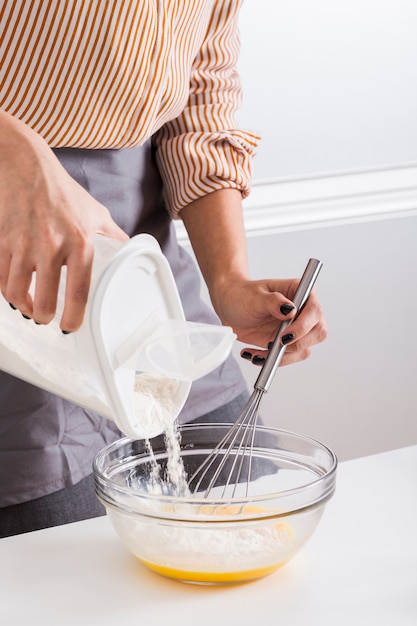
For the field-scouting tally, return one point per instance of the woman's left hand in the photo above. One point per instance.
(255, 310)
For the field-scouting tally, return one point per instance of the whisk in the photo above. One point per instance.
(236, 447)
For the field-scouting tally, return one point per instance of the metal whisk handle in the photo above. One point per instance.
(278, 349)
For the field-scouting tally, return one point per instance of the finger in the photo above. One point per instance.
(286, 308)
(77, 288)
(302, 334)
(46, 292)
(309, 318)
(5, 259)
(296, 356)
(295, 349)
(18, 283)
(278, 306)
(298, 350)
(256, 356)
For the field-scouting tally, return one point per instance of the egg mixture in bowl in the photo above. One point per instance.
(230, 535)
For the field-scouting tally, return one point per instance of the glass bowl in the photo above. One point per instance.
(222, 538)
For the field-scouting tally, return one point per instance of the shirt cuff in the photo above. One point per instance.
(195, 164)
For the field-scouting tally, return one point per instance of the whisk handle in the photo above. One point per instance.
(277, 349)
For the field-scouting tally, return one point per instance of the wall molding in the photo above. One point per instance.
(328, 200)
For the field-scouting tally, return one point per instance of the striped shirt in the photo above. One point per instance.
(110, 74)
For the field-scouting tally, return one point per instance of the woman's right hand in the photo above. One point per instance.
(47, 220)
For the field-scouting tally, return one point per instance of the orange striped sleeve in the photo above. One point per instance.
(203, 149)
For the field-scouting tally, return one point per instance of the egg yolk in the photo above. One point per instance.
(212, 577)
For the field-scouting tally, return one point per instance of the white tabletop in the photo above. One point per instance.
(358, 569)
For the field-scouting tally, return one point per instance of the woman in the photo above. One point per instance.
(117, 118)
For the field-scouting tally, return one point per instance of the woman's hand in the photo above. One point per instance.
(255, 311)
(253, 308)
(47, 221)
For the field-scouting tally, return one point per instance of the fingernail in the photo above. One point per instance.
(288, 338)
(271, 343)
(246, 355)
(257, 360)
(12, 306)
(37, 323)
(66, 332)
(286, 308)
(27, 317)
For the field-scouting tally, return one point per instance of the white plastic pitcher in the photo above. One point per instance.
(134, 323)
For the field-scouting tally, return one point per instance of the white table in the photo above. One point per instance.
(358, 569)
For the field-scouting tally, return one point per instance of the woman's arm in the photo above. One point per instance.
(205, 161)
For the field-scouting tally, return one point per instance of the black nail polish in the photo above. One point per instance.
(258, 360)
(27, 317)
(12, 306)
(66, 332)
(287, 338)
(37, 323)
(246, 355)
(271, 343)
(286, 308)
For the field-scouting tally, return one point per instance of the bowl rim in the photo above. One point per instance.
(328, 476)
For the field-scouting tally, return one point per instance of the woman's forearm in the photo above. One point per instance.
(216, 230)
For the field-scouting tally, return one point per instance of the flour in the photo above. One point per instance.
(156, 407)
(41, 357)
(217, 549)
(211, 548)
(154, 401)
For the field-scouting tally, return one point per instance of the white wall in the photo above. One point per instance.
(357, 392)
(330, 84)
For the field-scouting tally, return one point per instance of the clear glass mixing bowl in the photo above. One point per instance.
(222, 538)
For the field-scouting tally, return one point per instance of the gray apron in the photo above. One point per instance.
(47, 443)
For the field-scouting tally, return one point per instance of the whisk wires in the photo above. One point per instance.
(239, 442)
